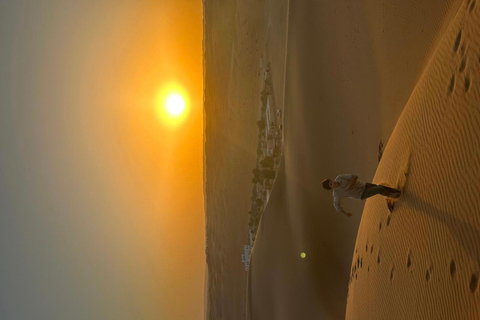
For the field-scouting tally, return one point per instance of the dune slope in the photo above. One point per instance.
(421, 260)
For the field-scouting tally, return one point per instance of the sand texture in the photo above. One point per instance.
(349, 78)
(422, 260)
(353, 70)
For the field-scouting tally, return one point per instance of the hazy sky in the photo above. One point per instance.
(101, 205)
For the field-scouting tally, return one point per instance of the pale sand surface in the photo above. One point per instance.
(426, 258)
(352, 67)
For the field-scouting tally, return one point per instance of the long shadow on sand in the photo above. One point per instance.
(467, 235)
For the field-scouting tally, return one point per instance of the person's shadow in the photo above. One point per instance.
(467, 234)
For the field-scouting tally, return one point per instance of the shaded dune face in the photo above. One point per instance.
(421, 254)
(337, 107)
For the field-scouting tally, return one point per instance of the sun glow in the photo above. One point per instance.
(175, 104)
(172, 104)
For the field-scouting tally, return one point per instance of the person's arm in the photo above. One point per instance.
(338, 207)
(352, 182)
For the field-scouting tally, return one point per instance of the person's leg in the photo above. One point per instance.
(391, 190)
(372, 190)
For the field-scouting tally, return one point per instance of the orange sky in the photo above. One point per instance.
(105, 203)
(168, 161)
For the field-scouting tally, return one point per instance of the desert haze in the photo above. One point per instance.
(389, 91)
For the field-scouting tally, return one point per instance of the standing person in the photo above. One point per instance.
(348, 186)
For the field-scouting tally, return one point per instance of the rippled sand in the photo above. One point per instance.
(357, 73)
(421, 260)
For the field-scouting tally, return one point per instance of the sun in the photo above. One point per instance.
(175, 104)
(172, 104)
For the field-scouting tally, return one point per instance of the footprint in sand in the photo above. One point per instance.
(474, 283)
(380, 150)
(428, 274)
(467, 83)
(472, 5)
(390, 206)
(391, 201)
(452, 84)
(409, 260)
(453, 268)
(401, 180)
(458, 39)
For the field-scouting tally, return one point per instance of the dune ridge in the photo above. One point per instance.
(352, 69)
(421, 261)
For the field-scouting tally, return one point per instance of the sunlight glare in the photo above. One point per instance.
(172, 104)
(175, 104)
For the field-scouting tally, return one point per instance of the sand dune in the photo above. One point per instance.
(423, 263)
(357, 72)
(352, 67)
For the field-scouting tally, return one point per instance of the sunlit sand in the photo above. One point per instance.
(387, 91)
